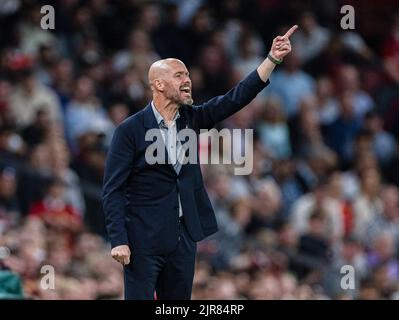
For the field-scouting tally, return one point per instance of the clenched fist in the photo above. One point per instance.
(281, 45)
(121, 254)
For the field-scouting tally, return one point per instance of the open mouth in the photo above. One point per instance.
(186, 90)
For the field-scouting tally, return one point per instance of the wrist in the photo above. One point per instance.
(273, 59)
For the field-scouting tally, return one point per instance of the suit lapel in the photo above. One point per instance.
(182, 123)
(149, 118)
(150, 122)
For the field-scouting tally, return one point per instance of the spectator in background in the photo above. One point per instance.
(273, 130)
(130, 88)
(36, 132)
(249, 50)
(55, 211)
(317, 164)
(11, 142)
(89, 161)
(305, 130)
(265, 205)
(117, 112)
(291, 185)
(89, 52)
(149, 18)
(349, 80)
(40, 159)
(32, 35)
(390, 51)
(367, 205)
(351, 178)
(201, 93)
(198, 31)
(85, 112)
(368, 290)
(351, 253)
(5, 91)
(9, 207)
(241, 140)
(327, 105)
(314, 246)
(30, 96)
(325, 201)
(291, 85)
(62, 78)
(354, 45)
(341, 133)
(224, 187)
(81, 28)
(46, 60)
(287, 240)
(28, 251)
(230, 238)
(59, 157)
(139, 53)
(215, 67)
(383, 255)
(391, 170)
(33, 178)
(311, 39)
(383, 143)
(387, 221)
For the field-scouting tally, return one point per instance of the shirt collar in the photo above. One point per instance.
(159, 117)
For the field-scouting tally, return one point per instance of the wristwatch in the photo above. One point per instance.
(274, 60)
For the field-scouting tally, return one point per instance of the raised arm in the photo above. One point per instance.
(281, 46)
(221, 107)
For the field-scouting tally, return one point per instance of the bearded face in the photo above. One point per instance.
(177, 84)
(172, 80)
(178, 92)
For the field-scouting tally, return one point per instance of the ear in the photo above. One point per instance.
(159, 85)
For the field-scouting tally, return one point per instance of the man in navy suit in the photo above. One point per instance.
(155, 213)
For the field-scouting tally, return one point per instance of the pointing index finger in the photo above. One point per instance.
(291, 31)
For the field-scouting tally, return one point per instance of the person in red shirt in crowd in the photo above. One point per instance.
(54, 210)
(390, 51)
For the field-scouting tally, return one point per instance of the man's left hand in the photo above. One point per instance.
(281, 44)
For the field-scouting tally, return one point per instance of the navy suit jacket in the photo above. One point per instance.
(140, 200)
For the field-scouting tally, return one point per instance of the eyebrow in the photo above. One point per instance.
(182, 72)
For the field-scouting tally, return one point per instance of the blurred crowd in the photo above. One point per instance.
(324, 189)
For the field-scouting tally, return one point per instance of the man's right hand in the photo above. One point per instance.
(121, 254)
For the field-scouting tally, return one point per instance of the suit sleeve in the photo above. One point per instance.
(221, 107)
(118, 166)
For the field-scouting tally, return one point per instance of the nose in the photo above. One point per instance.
(187, 80)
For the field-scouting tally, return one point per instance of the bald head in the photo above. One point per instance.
(169, 80)
(160, 68)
